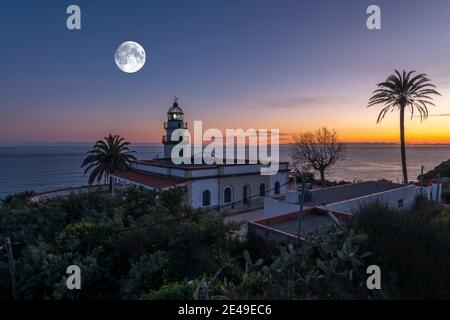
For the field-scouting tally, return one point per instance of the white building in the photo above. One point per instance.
(348, 199)
(225, 187)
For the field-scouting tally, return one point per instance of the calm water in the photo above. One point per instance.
(39, 168)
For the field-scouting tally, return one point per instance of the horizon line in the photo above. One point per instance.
(83, 143)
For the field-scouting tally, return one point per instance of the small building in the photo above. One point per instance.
(224, 187)
(431, 189)
(332, 205)
(284, 228)
(345, 198)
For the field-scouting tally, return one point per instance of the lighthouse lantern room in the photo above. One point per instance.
(175, 120)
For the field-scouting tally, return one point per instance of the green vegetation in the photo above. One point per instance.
(446, 195)
(108, 155)
(145, 245)
(411, 248)
(126, 246)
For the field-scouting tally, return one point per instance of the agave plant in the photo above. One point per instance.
(108, 155)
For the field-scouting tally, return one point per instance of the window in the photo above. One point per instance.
(400, 203)
(227, 195)
(206, 198)
(277, 188)
(262, 190)
(246, 194)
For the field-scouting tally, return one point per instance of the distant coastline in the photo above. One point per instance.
(84, 144)
(41, 167)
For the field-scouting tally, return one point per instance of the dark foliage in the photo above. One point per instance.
(412, 249)
(108, 155)
(443, 169)
(126, 246)
(147, 245)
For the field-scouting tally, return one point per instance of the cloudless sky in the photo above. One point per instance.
(292, 65)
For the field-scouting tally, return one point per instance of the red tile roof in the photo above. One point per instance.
(148, 179)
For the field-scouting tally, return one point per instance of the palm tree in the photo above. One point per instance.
(107, 155)
(408, 90)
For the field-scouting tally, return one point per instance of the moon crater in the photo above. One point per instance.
(130, 57)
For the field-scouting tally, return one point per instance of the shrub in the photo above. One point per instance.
(328, 265)
(126, 245)
(442, 169)
(172, 291)
(15, 200)
(411, 248)
(446, 195)
(148, 273)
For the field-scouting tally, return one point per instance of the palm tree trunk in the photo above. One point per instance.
(402, 143)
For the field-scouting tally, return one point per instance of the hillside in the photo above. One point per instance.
(442, 169)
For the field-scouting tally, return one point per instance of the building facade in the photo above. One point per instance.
(222, 187)
(348, 199)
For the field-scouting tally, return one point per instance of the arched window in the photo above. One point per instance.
(227, 195)
(262, 190)
(246, 194)
(206, 198)
(277, 187)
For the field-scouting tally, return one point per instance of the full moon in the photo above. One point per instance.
(130, 57)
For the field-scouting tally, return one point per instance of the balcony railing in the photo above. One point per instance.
(181, 125)
(166, 139)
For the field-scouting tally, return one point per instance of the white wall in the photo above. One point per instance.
(198, 186)
(178, 173)
(273, 207)
(282, 178)
(431, 191)
(152, 169)
(239, 169)
(391, 198)
(204, 172)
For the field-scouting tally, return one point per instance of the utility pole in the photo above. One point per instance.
(421, 180)
(12, 267)
(302, 201)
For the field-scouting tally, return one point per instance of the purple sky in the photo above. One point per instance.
(292, 65)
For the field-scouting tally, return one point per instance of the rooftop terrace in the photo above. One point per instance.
(284, 228)
(350, 191)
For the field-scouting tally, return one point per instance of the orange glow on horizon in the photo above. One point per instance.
(353, 122)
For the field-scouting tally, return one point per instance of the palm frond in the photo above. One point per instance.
(404, 90)
(107, 155)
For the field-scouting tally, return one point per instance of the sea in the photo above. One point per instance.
(48, 167)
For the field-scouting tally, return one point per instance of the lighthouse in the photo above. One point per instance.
(175, 120)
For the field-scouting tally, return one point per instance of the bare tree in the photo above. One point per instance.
(319, 150)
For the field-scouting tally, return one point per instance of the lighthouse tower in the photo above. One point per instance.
(175, 121)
